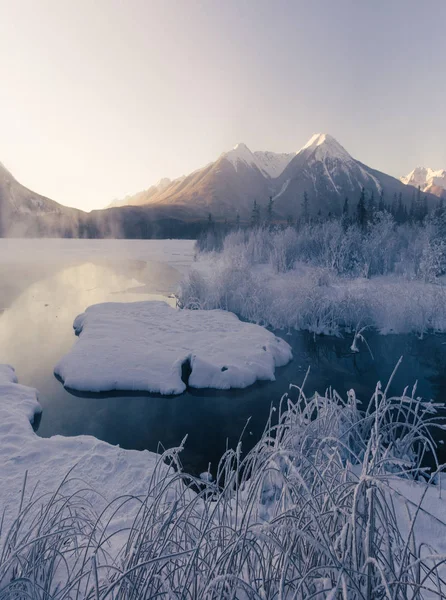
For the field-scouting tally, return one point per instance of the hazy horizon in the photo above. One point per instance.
(103, 99)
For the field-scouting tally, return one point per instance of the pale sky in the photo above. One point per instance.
(101, 98)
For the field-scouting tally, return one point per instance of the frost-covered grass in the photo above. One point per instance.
(333, 502)
(325, 277)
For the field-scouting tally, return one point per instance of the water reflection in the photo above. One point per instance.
(36, 330)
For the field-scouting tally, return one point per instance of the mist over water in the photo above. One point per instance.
(40, 300)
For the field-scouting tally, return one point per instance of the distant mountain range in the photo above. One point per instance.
(429, 181)
(322, 168)
(225, 188)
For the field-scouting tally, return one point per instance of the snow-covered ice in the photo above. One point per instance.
(107, 468)
(144, 345)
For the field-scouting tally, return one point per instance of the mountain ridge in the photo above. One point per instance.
(429, 180)
(322, 168)
(225, 188)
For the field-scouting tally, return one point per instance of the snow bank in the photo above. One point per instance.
(144, 345)
(325, 486)
(47, 460)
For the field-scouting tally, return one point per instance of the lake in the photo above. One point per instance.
(44, 284)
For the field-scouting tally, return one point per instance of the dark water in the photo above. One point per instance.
(35, 330)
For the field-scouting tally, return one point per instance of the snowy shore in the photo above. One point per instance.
(307, 510)
(47, 461)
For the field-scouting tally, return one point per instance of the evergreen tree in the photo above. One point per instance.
(381, 205)
(425, 209)
(394, 208)
(400, 209)
(305, 208)
(345, 213)
(269, 210)
(255, 214)
(371, 209)
(289, 221)
(419, 206)
(362, 211)
(439, 211)
(237, 220)
(412, 210)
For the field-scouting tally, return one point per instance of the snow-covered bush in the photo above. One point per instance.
(330, 503)
(325, 277)
(384, 248)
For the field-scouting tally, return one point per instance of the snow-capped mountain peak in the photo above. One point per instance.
(322, 145)
(270, 164)
(273, 164)
(240, 154)
(427, 179)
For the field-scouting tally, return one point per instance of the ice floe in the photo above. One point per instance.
(153, 347)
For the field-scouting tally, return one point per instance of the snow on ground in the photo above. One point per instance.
(143, 346)
(103, 467)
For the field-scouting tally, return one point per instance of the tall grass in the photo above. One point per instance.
(315, 510)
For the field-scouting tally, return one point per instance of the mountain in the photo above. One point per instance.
(227, 187)
(24, 212)
(144, 197)
(224, 187)
(328, 174)
(430, 181)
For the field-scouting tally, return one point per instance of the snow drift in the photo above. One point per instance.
(146, 345)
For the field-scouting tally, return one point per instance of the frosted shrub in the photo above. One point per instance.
(330, 503)
(325, 277)
(283, 252)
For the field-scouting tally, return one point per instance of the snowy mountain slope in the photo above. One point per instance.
(238, 173)
(322, 168)
(223, 187)
(144, 197)
(24, 210)
(273, 164)
(430, 181)
(328, 174)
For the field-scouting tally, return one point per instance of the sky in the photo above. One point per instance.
(102, 98)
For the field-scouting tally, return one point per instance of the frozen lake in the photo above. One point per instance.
(45, 284)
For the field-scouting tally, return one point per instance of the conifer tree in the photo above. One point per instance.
(371, 209)
(381, 205)
(305, 208)
(394, 208)
(269, 210)
(419, 206)
(345, 213)
(255, 214)
(362, 211)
